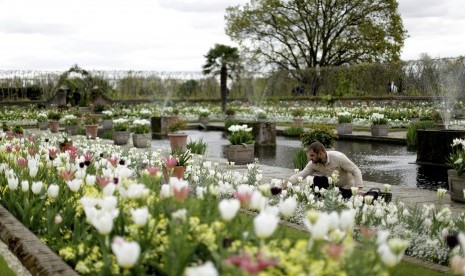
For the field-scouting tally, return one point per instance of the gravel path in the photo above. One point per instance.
(12, 261)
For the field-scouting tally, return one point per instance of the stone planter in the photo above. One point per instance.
(344, 128)
(178, 140)
(299, 122)
(107, 124)
(240, 155)
(379, 130)
(142, 140)
(54, 125)
(42, 125)
(91, 130)
(204, 121)
(121, 137)
(456, 185)
(71, 129)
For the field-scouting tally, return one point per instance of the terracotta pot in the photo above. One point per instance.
(177, 171)
(241, 155)
(54, 126)
(178, 140)
(142, 140)
(121, 137)
(91, 130)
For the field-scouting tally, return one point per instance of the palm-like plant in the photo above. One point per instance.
(222, 60)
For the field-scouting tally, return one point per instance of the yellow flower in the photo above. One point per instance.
(67, 253)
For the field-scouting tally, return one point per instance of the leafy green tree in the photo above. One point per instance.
(222, 60)
(300, 34)
(187, 88)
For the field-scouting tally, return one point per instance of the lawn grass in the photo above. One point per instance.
(4, 269)
(405, 268)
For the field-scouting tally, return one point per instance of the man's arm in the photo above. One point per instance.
(308, 170)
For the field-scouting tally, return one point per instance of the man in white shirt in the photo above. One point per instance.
(322, 162)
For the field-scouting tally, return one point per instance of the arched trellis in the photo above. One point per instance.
(78, 80)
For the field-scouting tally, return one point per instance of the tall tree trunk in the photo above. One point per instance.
(224, 88)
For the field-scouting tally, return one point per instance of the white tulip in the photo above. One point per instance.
(387, 257)
(347, 219)
(36, 187)
(265, 224)
(228, 208)
(180, 214)
(207, 269)
(165, 191)
(25, 185)
(74, 185)
(90, 180)
(103, 222)
(288, 206)
(127, 253)
(140, 216)
(33, 171)
(52, 190)
(13, 183)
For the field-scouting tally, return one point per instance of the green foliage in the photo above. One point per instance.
(98, 108)
(240, 135)
(344, 118)
(177, 125)
(322, 133)
(229, 123)
(411, 135)
(375, 23)
(197, 147)
(107, 134)
(300, 159)
(140, 126)
(456, 159)
(298, 113)
(187, 88)
(262, 116)
(121, 124)
(18, 129)
(54, 116)
(6, 271)
(222, 60)
(182, 156)
(293, 131)
(5, 126)
(90, 120)
(230, 111)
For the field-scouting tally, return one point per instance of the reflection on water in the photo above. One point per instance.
(379, 162)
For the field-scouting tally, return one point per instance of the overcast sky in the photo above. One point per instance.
(170, 35)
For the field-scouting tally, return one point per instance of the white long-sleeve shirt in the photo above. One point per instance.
(349, 174)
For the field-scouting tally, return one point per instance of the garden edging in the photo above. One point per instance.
(37, 257)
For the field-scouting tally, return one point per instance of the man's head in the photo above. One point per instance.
(316, 152)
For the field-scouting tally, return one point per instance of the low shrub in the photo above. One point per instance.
(412, 132)
(300, 159)
(322, 133)
(197, 147)
(293, 131)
